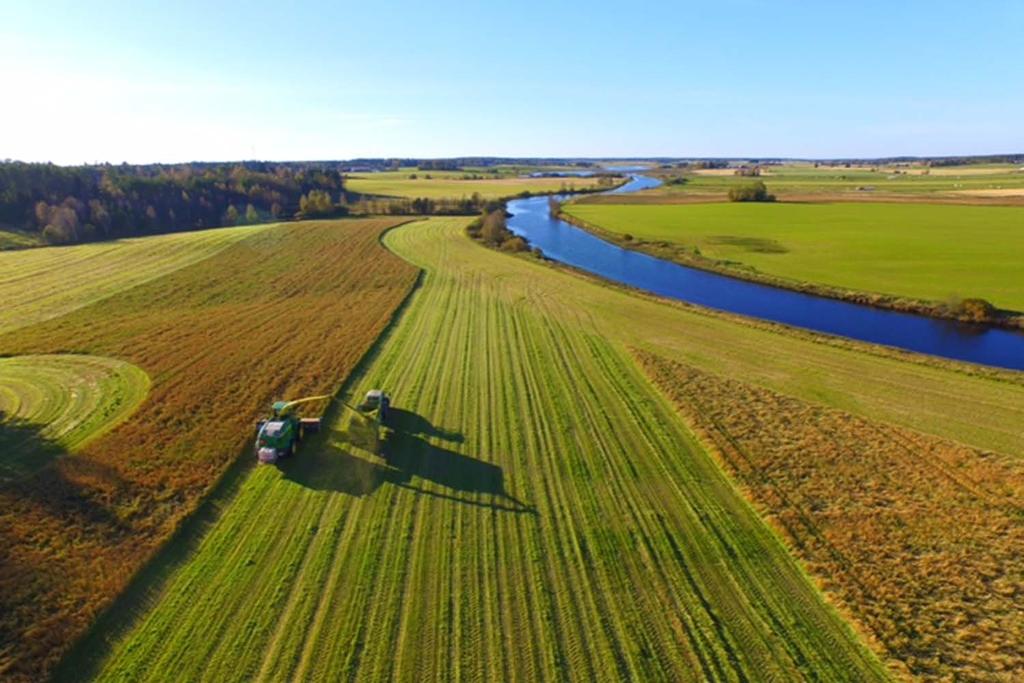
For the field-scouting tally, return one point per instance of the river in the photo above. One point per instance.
(569, 244)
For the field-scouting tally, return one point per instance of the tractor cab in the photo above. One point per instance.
(276, 438)
(376, 401)
(279, 435)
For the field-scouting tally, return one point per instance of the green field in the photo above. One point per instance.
(803, 178)
(39, 284)
(539, 510)
(449, 184)
(53, 404)
(922, 251)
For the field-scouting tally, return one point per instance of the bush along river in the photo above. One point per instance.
(561, 241)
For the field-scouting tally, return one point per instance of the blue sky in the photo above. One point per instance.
(175, 81)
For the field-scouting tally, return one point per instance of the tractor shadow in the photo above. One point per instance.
(332, 461)
(408, 422)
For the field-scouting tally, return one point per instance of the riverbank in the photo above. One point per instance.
(973, 311)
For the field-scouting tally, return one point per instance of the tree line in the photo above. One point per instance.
(69, 204)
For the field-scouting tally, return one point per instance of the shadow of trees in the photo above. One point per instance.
(327, 462)
(23, 448)
(35, 469)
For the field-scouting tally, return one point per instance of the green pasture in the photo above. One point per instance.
(923, 251)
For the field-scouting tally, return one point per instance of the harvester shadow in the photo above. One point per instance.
(327, 462)
(413, 456)
(408, 422)
(334, 461)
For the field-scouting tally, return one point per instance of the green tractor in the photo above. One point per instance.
(279, 435)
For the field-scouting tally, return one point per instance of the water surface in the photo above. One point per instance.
(571, 245)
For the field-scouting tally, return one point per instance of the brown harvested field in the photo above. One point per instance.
(918, 539)
(994, 192)
(715, 171)
(975, 170)
(287, 312)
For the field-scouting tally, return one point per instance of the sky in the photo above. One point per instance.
(144, 81)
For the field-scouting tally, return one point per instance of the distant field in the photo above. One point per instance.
(38, 284)
(51, 405)
(913, 250)
(446, 184)
(806, 179)
(286, 312)
(539, 500)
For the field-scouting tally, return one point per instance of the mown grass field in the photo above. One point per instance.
(447, 184)
(38, 284)
(922, 251)
(219, 338)
(538, 510)
(919, 538)
(535, 505)
(54, 404)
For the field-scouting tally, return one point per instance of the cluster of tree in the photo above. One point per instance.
(455, 163)
(748, 171)
(703, 164)
(318, 204)
(931, 161)
(989, 159)
(751, 192)
(492, 230)
(83, 203)
(422, 206)
(973, 310)
(439, 165)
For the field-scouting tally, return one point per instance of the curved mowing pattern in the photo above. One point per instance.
(538, 513)
(53, 404)
(286, 312)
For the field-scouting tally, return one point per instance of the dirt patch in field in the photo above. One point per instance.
(715, 171)
(918, 539)
(760, 245)
(993, 192)
(967, 170)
